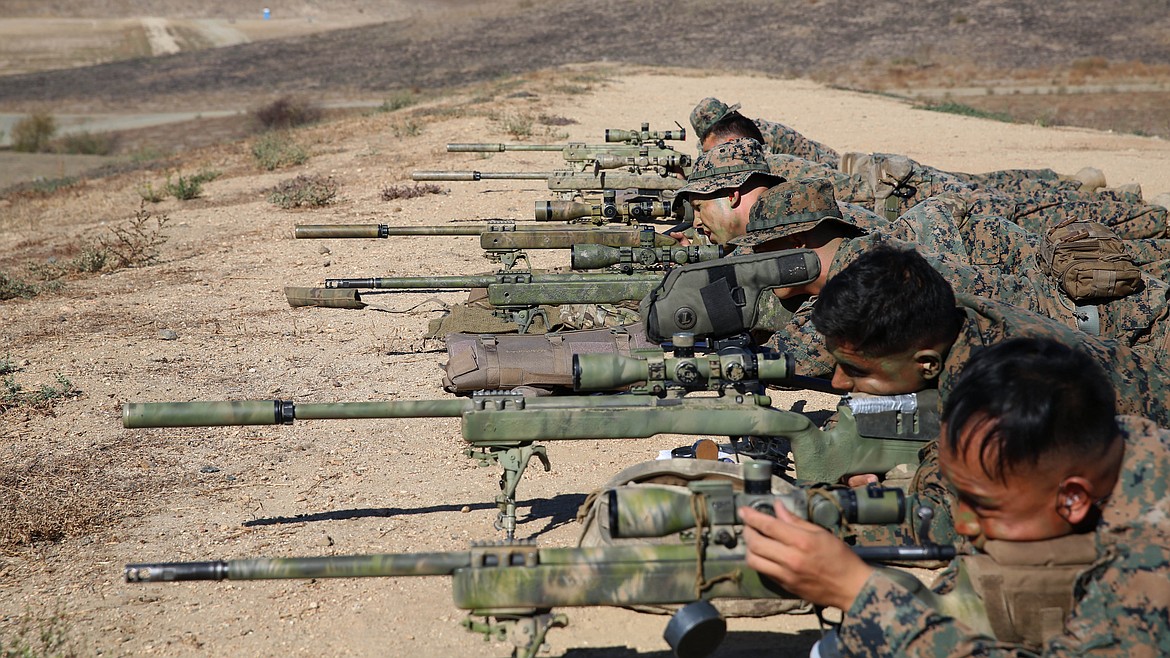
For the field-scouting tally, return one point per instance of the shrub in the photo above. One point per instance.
(37, 634)
(13, 395)
(286, 112)
(556, 120)
(12, 287)
(304, 192)
(137, 242)
(398, 101)
(410, 191)
(91, 260)
(184, 188)
(407, 128)
(276, 150)
(86, 143)
(33, 133)
(148, 193)
(517, 125)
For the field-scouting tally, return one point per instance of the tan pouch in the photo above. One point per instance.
(1027, 587)
(1088, 261)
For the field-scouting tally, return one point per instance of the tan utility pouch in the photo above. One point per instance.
(1027, 587)
(545, 361)
(1088, 261)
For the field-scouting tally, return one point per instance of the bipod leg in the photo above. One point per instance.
(523, 317)
(514, 461)
(508, 259)
(527, 633)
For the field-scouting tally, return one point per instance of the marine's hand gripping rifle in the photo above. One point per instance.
(519, 584)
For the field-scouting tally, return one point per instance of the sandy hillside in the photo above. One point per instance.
(330, 487)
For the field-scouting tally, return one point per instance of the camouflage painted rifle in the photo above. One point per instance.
(507, 242)
(655, 157)
(515, 586)
(503, 427)
(516, 296)
(571, 184)
(647, 147)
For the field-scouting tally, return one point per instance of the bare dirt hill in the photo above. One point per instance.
(90, 496)
(980, 43)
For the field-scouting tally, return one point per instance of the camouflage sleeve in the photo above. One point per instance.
(888, 620)
(800, 338)
(1123, 612)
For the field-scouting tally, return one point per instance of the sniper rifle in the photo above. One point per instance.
(515, 586)
(503, 427)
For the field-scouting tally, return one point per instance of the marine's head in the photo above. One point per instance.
(715, 122)
(724, 185)
(800, 214)
(1030, 444)
(889, 319)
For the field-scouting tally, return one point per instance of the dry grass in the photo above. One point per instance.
(410, 191)
(49, 499)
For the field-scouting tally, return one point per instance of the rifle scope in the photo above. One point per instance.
(657, 511)
(607, 372)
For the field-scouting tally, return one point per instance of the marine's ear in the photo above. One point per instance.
(1074, 499)
(929, 362)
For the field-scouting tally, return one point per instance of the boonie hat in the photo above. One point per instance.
(708, 113)
(727, 165)
(790, 207)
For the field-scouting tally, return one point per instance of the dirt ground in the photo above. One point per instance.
(343, 487)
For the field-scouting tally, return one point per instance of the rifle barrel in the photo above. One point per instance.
(319, 231)
(485, 280)
(500, 148)
(479, 175)
(341, 566)
(279, 412)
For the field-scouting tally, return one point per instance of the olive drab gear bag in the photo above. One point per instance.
(546, 361)
(594, 518)
(1088, 261)
(718, 298)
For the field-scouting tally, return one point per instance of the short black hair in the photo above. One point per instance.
(733, 126)
(1044, 399)
(887, 301)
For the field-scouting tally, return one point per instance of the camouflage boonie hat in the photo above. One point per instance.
(790, 207)
(726, 166)
(708, 113)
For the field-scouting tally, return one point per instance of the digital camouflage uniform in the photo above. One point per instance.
(978, 254)
(778, 138)
(891, 184)
(1122, 602)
